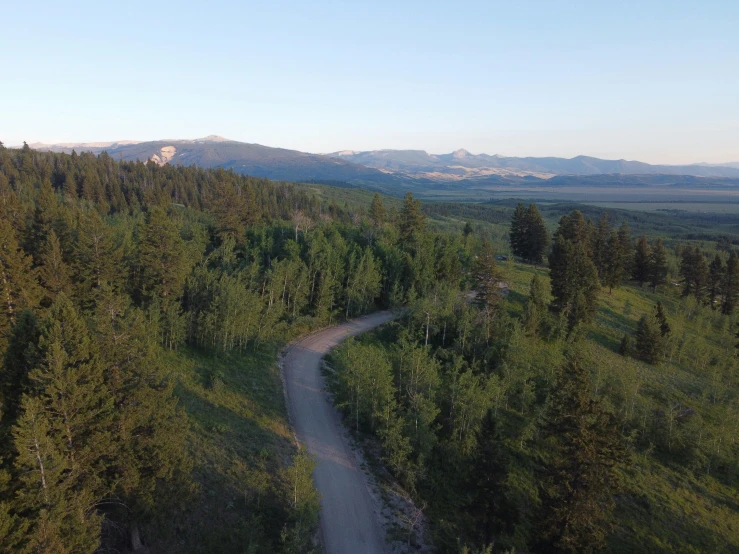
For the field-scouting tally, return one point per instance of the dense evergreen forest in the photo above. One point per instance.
(519, 402)
(107, 267)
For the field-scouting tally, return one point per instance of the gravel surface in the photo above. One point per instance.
(350, 511)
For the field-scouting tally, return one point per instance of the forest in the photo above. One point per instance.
(576, 394)
(590, 406)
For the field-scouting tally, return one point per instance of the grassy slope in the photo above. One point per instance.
(666, 508)
(240, 437)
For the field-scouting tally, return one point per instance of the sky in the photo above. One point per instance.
(647, 80)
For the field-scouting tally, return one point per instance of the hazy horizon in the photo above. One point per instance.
(503, 154)
(645, 81)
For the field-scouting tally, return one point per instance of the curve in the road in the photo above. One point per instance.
(350, 517)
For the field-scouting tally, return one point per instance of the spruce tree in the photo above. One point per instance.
(494, 514)
(649, 341)
(536, 305)
(626, 347)
(578, 481)
(519, 232)
(377, 212)
(412, 221)
(97, 259)
(53, 271)
(10, 206)
(42, 221)
(613, 269)
(715, 280)
(657, 269)
(488, 280)
(694, 271)
(625, 250)
(161, 258)
(574, 281)
(600, 247)
(730, 288)
(642, 253)
(151, 465)
(538, 236)
(20, 356)
(58, 513)
(664, 325)
(574, 228)
(69, 383)
(19, 288)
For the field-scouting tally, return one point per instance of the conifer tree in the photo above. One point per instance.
(659, 314)
(613, 269)
(70, 186)
(528, 235)
(161, 257)
(715, 280)
(626, 347)
(649, 341)
(412, 221)
(19, 288)
(536, 305)
(618, 258)
(42, 221)
(657, 269)
(574, 281)
(642, 253)
(58, 514)
(20, 356)
(150, 464)
(730, 288)
(488, 279)
(230, 210)
(10, 207)
(694, 271)
(97, 260)
(518, 234)
(574, 228)
(600, 247)
(625, 249)
(538, 236)
(69, 383)
(579, 480)
(490, 506)
(53, 271)
(377, 212)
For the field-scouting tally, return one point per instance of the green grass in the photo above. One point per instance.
(240, 438)
(668, 505)
(699, 207)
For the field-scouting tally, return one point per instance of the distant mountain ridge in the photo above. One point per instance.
(377, 167)
(461, 164)
(252, 159)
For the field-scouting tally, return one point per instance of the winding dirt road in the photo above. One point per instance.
(350, 516)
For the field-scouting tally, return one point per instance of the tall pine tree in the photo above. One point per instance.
(578, 481)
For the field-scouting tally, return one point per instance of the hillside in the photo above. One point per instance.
(461, 164)
(250, 159)
(387, 170)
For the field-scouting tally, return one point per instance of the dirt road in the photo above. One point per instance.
(350, 520)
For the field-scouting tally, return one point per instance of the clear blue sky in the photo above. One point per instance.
(655, 81)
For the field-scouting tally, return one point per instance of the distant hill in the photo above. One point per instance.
(461, 164)
(387, 170)
(252, 159)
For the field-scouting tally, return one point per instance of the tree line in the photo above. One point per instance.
(105, 265)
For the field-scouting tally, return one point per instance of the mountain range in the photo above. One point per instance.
(379, 167)
(461, 164)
